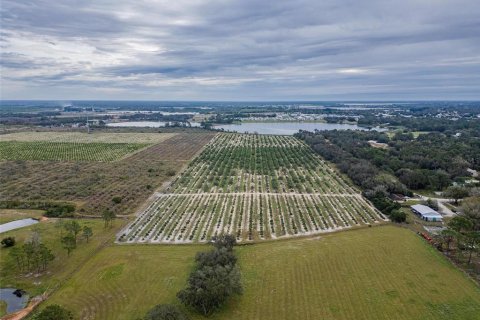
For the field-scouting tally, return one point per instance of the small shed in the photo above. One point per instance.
(426, 213)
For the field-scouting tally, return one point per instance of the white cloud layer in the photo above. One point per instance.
(240, 50)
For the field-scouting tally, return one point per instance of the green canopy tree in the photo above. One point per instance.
(45, 255)
(471, 209)
(447, 236)
(87, 232)
(73, 227)
(472, 239)
(108, 217)
(463, 227)
(216, 277)
(456, 193)
(209, 287)
(461, 224)
(69, 243)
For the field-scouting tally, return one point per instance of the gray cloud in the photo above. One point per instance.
(240, 50)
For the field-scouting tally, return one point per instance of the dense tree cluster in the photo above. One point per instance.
(108, 217)
(430, 161)
(52, 209)
(464, 230)
(156, 116)
(215, 278)
(377, 184)
(471, 210)
(45, 119)
(33, 256)
(73, 229)
(422, 122)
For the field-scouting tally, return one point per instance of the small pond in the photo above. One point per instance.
(17, 224)
(14, 303)
(287, 128)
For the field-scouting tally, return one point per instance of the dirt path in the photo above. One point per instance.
(441, 206)
(21, 314)
(161, 194)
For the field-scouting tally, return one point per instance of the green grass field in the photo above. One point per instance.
(375, 273)
(62, 266)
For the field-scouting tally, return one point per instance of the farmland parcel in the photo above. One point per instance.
(92, 169)
(256, 187)
(366, 274)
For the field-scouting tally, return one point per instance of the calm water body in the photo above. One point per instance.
(14, 303)
(17, 224)
(287, 128)
(279, 128)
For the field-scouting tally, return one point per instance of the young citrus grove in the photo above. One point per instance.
(256, 187)
(74, 146)
(80, 177)
(382, 272)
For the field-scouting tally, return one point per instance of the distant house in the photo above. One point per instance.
(426, 213)
(94, 122)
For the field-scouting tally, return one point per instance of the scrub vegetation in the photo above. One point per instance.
(120, 186)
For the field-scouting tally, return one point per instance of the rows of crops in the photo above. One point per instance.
(94, 184)
(83, 137)
(256, 187)
(65, 151)
(259, 163)
(196, 218)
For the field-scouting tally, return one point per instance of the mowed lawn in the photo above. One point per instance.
(63, 265)
(374, 273)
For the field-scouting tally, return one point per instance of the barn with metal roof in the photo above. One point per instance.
(426, 213)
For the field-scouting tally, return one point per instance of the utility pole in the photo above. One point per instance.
(88, 125)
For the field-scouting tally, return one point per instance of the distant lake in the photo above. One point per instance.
(288, 128)
(144, 124)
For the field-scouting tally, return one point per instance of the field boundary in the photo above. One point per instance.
(218, 193)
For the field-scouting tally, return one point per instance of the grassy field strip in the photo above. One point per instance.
(377, 273)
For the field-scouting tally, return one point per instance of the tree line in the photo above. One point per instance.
(463, 232)
(431, 161)
(52, 209)
(33, 255)
(72, 230)
(214, 279)
(376, 185)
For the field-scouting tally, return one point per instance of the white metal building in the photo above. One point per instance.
(426, 213)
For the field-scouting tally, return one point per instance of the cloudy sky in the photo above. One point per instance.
(240, 50)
